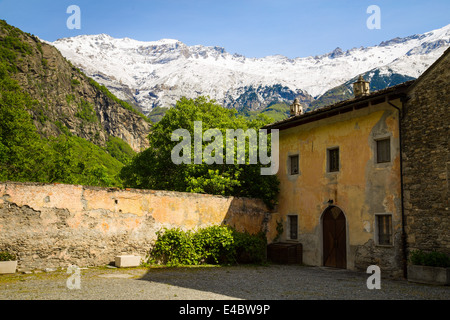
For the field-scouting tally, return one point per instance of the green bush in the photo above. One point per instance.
(6, 256)
(175, 247)
(432, 259)
(213, 245)
(250, 248)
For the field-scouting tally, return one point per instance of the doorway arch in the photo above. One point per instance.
(334, 238)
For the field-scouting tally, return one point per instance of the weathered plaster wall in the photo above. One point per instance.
(54, 225)
(426, 160)
(361, 188)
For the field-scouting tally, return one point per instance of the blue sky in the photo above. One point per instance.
(254, 28)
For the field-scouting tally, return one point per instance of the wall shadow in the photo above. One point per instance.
(236, 282)
(268, 282)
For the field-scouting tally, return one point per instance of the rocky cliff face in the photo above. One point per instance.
(66, 99)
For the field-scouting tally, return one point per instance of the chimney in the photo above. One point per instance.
(361, 87)
(296, 108)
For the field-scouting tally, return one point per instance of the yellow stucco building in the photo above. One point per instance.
(340, 182)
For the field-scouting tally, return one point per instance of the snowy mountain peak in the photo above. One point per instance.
(336, 53)
(157, 73)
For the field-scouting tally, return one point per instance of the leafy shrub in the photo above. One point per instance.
(175, 247)
(432, 259)
(214, 245)
(6, 256)
(250, 248)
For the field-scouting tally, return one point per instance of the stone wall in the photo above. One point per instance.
(55, 225)
(426, 159)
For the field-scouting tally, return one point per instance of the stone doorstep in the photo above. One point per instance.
(126, 261)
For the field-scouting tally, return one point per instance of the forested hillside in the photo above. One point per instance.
(56, 124)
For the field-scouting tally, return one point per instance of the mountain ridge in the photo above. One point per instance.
(157, 73)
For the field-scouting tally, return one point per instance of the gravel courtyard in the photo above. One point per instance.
(274, 282)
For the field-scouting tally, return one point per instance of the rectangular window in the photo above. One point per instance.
(384, 150)
(293, 164)
(384, 226)
(293, 227)
(333, 160)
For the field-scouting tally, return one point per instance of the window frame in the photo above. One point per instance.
(329, 160)
(388, 159)
(291, 162)
(292, 231)
(378, 239)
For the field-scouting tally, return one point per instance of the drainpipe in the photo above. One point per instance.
(400, 117)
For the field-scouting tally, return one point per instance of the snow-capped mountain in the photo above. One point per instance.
(158, 73)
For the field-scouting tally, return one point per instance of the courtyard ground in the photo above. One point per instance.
(272, 282)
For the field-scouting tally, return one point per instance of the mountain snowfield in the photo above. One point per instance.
(158, 73)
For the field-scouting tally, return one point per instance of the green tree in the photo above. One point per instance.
(154, 168)
(21, 148)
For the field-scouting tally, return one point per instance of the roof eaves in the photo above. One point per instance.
(339, 107)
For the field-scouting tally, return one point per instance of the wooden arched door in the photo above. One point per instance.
(334, 238)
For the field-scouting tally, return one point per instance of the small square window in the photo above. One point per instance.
(293, 162)
(384, 229)
(293, 227)
(333, 160)
(384, 150)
